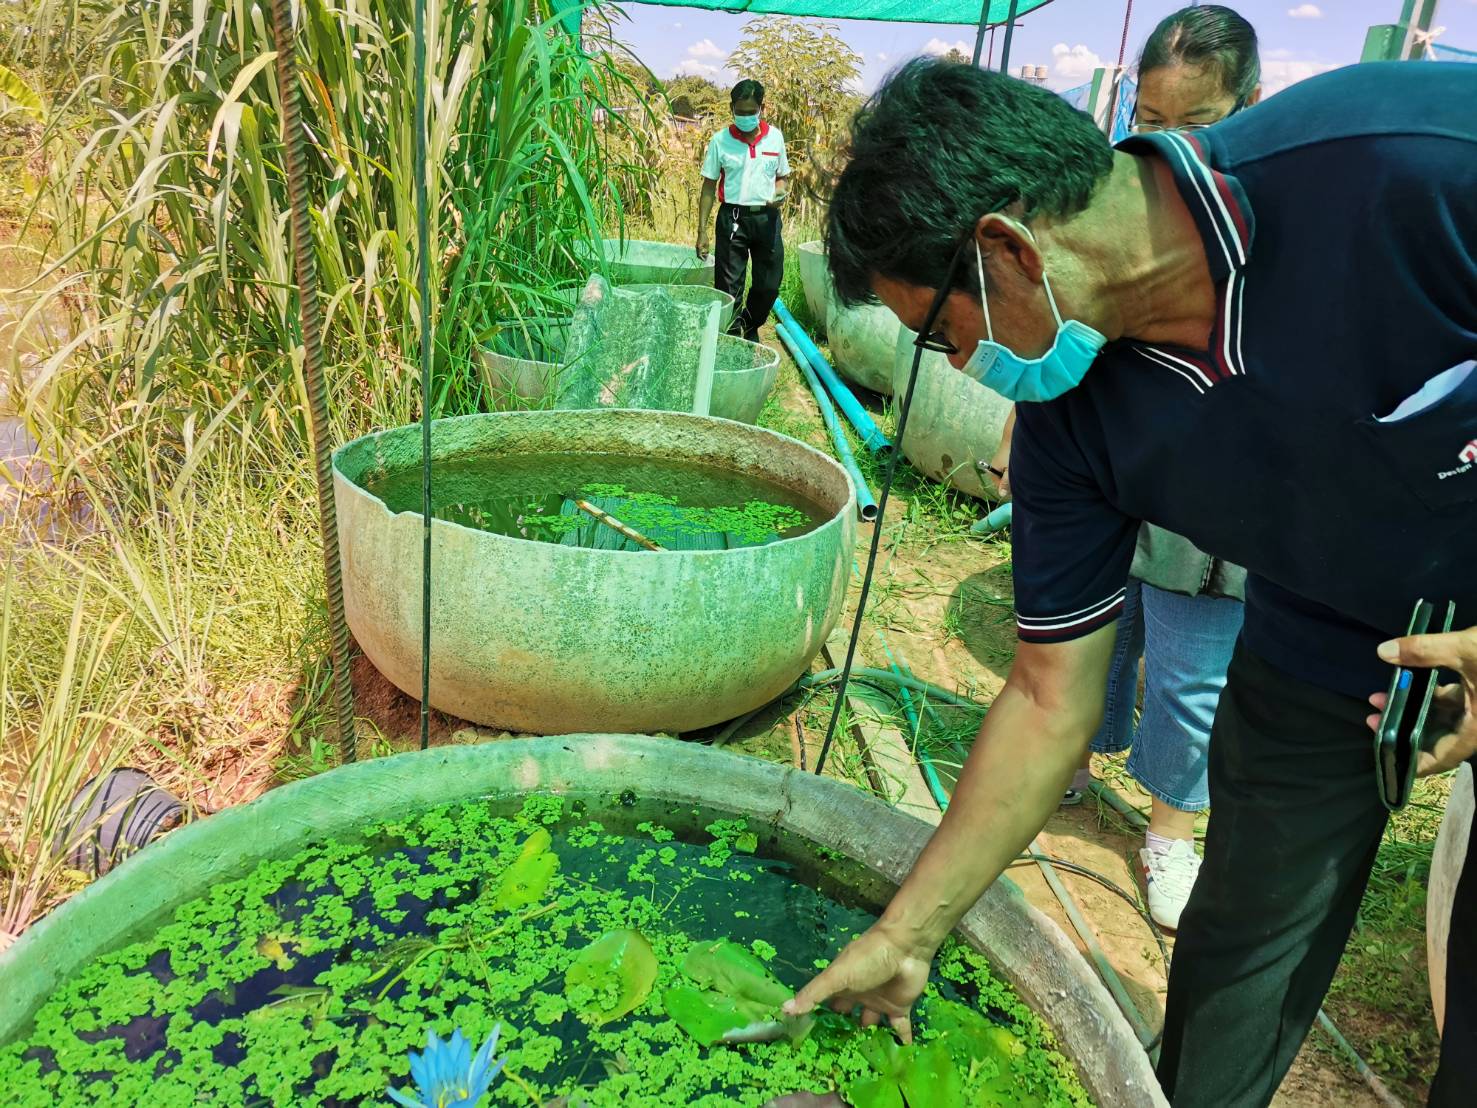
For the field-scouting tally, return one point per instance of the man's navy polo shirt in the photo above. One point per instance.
(1340, 223)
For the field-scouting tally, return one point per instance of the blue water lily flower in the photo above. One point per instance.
(447, 1076)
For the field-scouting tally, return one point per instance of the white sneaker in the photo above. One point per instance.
(1169, 877)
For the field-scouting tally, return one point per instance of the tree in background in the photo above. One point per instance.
(956, 55)
(811, 80)
(695, 97)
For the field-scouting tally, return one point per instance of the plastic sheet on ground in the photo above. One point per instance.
(639, 350)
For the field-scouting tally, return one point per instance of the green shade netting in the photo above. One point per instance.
(887, 11)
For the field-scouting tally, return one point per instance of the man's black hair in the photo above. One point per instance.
(747, 89)
(1207, 35)
(938, 146)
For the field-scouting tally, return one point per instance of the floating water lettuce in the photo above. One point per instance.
(527, 879)
(737, 998)
(620, 968)
(918, 1076)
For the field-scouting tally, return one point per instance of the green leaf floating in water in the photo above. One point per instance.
(620, 967)
(731, 969)
(918, 1075)
(708, 1016)
(527, 879)
(973, 1040)
(737, 992)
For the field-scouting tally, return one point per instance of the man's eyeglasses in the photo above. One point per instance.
(935, 341)
(929, 338)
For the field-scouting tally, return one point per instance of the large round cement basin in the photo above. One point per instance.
(521, 363)
(834, 835)
(545, 638)
(743, 372)
(638, 261)
(743, 375)
(815, 279)
(955, 422)
(862, 341)
(696, 295)
(1447, 860)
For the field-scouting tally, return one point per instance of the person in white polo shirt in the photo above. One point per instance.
(745, 171)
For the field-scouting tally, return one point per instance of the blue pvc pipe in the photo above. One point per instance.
(995, 521)
(866, 507)
(871, 435)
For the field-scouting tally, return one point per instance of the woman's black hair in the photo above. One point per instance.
(935, 148)
(747, 89)
(1207, 35)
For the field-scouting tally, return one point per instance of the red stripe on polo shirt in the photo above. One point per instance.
(759, 134)
(1224, 189)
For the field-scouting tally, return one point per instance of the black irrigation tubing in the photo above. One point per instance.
(423, 282)
(310, 318)
(882, 498)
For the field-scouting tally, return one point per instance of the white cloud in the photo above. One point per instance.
(1306, 11)
(694, 68)
(1281, 68)
(705, 49)
(882, 57)
(1072, 65)
(940, 47)
(676, 26)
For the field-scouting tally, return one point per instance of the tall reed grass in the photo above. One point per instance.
(168, 203)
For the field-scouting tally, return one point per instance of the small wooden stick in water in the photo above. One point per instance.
(615, 524)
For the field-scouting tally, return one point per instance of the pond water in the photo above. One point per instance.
(306, 982)
(677, 505)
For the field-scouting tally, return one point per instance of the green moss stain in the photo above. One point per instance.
(306, 982)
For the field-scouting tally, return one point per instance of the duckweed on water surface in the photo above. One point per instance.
(308, 981)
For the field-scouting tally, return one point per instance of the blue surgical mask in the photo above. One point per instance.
(1045, 378)
(746, 123)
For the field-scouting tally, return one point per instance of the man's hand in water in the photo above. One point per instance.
(1451, 729)
(881, 972)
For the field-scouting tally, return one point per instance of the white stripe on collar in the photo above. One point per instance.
(1220, 215)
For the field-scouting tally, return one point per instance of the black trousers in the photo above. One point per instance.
(740, 238)
(1295, 822)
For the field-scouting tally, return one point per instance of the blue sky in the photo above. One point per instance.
(1069, 37)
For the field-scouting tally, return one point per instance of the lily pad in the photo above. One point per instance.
(620, 967)
(527, 879)
(707, 1015)
(915, 1075)
(728, 968)
(739, 1000)
(972, 1040)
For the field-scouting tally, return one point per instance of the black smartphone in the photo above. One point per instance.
(1408, 702)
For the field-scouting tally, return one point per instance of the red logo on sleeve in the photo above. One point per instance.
(1468, 453)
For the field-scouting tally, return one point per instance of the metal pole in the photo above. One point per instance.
(979, 38)
(310, 319)
(1009, 29)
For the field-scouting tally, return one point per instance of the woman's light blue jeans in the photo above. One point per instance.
(1186, 644)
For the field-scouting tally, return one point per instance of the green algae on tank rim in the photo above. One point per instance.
(548, 639)
(832, 832)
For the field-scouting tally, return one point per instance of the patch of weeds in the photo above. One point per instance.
(1380, 996)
